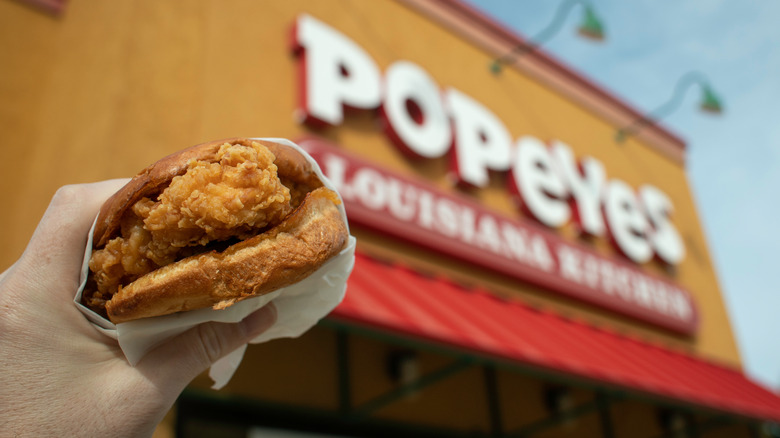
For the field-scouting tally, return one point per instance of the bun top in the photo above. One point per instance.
(293, 168)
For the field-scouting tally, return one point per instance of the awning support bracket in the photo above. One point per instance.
(605, 414)
(695, 430)
(493, 401)
(600, 403)
(342, 355)
(403, 391)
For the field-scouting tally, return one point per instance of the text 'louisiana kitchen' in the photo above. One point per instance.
(547, 181)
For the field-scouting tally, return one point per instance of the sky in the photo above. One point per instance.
(733, 161)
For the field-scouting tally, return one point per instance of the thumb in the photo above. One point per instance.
(174, 364)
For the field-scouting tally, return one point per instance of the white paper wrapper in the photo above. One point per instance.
(299, 306)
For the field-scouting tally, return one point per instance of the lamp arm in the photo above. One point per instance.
(555, 25)
(685, 82)
(544, 35)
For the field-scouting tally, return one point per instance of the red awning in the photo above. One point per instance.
(399, 300)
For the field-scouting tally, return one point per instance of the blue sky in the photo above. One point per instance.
(733, 160)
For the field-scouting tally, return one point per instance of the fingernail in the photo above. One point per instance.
(259, 321)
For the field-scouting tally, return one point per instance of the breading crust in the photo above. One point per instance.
(284, 255)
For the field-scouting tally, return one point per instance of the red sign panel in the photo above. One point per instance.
(417, 212)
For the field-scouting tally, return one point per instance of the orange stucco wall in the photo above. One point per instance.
(109, 87)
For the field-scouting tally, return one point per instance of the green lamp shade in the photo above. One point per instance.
(591, 26)
(710, 102)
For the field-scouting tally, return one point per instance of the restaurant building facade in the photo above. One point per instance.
(519, 272)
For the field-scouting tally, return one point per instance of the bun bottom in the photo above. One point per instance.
(289, 252)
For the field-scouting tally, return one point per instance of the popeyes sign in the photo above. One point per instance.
(548, 182)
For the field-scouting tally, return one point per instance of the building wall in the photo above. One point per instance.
(108, 87)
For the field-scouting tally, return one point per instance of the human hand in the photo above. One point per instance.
(60, 376)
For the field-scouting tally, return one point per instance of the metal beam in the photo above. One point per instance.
(344, 383)
(201, 406)
(553, 420)
(615, 392)
(493, 402)
(558, 419)
(696, 429)
(399, 393)
(755, 431)
(605, 415)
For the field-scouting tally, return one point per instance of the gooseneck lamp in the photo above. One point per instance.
(590, 28)
(709, 103)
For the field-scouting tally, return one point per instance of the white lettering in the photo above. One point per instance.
(539, 184)
(569, 264)
(681, 307)
(626, 223)
(585, 182)
(541, 253)
(487, 234)
(468, 218)
(621, 283)
(401, 200)
(370, 188)
(664, 237)
(414, 111)
(337, 73)
(515, 243)
(447, 215)
(450, 219)
(591, 271)
(482, 142)
(425, 218)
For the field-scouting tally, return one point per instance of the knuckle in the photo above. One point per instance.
(67, 194)
(211, 343)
